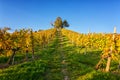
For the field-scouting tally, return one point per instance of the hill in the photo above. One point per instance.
(63, 55)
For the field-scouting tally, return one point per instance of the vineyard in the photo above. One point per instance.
(59, 54)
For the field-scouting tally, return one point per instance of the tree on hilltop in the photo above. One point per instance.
(59, 23)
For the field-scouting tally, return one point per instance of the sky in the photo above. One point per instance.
(82, 15)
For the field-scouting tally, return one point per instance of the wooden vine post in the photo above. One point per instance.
(110, 53)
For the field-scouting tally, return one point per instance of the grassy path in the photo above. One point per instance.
(56, 54)
(57, 69)
(65, 63)
(63, 59)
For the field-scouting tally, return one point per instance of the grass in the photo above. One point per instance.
(49, 66)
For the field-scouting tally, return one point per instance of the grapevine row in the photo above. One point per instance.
(109, 44)
(23, 41)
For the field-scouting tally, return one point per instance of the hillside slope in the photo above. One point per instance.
(60, 60)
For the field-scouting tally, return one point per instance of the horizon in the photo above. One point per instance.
(100, 16)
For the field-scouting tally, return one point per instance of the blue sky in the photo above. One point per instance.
(96, 15)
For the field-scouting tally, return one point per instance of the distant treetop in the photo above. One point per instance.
(59, 23)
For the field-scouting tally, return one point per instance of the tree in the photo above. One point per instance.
(60, 24)
(65, 24)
